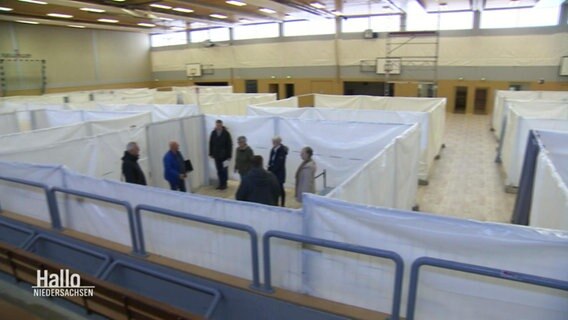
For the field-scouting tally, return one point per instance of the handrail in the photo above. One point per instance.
(29, 232)
(324, 174)
(105, 257)
(55, 221)
(131, 221)
(212, 291)
(205, 220)
(475, 269)
(399, 264)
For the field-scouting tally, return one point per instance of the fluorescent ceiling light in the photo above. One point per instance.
(5, 9)
(34, 1)
(92, 10)
(338, 13)
(60, 15)
(177, 28)
(26, 21)
(151, 25)
(243, 20)
(108, 20)
(118, 0)
(218, 16)
(317, 5)
(161, 6)
(236, 3)
(76, 26)
(184, 10)
(266, 10)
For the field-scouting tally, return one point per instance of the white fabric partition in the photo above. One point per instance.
(389, 178)
(335, 149)
(210, 247)
(190, 94)
(522, 117)
(42, 119)
(24, 200)
(404, 117)
(189, 133)
(501, 96)
(368, 282)
(9, 123)
(159, 112)
(549, 208)
(231, 104)
(291, 102)
(40, 138)
(97, 156)
(435, 107)
(166, 97)
(49, 136)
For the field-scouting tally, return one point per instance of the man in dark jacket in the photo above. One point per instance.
(130, 167)
(259, 185)
(174, 168)
(221, 149)
(277, 164)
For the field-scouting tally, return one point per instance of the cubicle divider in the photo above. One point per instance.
(333, 225)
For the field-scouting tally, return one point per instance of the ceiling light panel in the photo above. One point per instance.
(183, 10)
(33, 1)
(95, 10)
(108, 20)
(160, 6)
(60, 15)
(236, 3)
(267, 10)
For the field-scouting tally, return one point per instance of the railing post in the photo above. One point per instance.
(266, 259)
(53, 209)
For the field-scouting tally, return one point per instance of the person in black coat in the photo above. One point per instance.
(259, 185)
(221, 149)
(130, 168)
(277, 164)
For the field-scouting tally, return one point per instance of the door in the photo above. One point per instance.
(480, 102)
(274, 88)
(289, 90)
(460, 102)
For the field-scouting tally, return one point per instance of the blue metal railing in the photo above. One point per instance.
(475, 269)
(55, 221)
(136, 245)
(104, 257)
(224, 224)
(211, 291)
(30, 233)
(399, 264)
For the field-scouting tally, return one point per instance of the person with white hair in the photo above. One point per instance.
(130, 168)
(174, 168)
(277, 164)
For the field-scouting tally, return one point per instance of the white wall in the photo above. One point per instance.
(486, 50)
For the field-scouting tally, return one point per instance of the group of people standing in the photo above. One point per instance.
(257, 184)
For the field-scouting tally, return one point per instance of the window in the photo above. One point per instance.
(545, 13)
(256, 31)
(213, 34)
(311, 27)
(168, 39)
(420, 20)
(377, 23)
